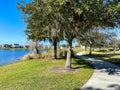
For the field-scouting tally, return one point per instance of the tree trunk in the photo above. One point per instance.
(68, 61)
(114, 47)
(55, 49)
(93, 48)
(34, 48)
(90, 53)
(114, 50)
(85, 47)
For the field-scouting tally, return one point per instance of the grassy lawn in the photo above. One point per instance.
(107, 56)
(36, 75)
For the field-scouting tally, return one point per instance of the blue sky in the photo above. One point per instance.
(12, 25)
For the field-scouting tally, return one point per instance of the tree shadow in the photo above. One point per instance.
(109, 87)
(103, 66)
(59, 58)
(80, 63)
(116, 86)
(107, 57)
(90, 88)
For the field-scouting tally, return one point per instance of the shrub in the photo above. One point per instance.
(31, 56)
(49, 54)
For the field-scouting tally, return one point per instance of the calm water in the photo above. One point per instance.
(10, 56)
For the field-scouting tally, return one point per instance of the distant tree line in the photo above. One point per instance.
(99, 39)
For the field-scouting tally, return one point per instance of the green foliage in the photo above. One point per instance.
(66, 19)
(69, 17)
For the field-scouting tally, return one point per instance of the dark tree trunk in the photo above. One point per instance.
(36, 46)
(69, 52)
(55, 48)
(90, 53)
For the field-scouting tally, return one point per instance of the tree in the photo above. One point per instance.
(54, 34)
(74, 16)
(119, 45)
(42, 22)
(114, 42)
(87, 15)
(34, 34)
(34, 31)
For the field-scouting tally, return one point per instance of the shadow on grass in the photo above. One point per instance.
(80, 63)
(103, 66)
(110, 87)
(107, 57)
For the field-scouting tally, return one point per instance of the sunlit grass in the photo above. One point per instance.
(77, 50)
(36, 75)
(107, 56)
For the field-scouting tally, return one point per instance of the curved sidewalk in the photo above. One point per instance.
(106, 76)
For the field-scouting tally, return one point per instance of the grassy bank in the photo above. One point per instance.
(107, 56)
(36, 75)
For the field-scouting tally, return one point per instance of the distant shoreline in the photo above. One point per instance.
(14, 49)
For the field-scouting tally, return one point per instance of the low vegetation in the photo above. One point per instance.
(45, 55)
(37, 75)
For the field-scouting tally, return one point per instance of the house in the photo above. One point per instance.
(15, 46)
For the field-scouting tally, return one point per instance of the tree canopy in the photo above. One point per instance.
(66, 19)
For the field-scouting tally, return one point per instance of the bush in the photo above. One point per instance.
(37, 56)
(44, 55)
(31, 56)
(64, 53)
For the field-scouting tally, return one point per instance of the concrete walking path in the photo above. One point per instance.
(106, 76)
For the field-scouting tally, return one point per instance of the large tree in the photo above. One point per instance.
(42, 22)
(85, 15)
(74, 16)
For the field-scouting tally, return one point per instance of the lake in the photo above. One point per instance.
(10, 56)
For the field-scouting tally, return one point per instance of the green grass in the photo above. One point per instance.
(77, 50)
(107, 56)
(36, 75)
